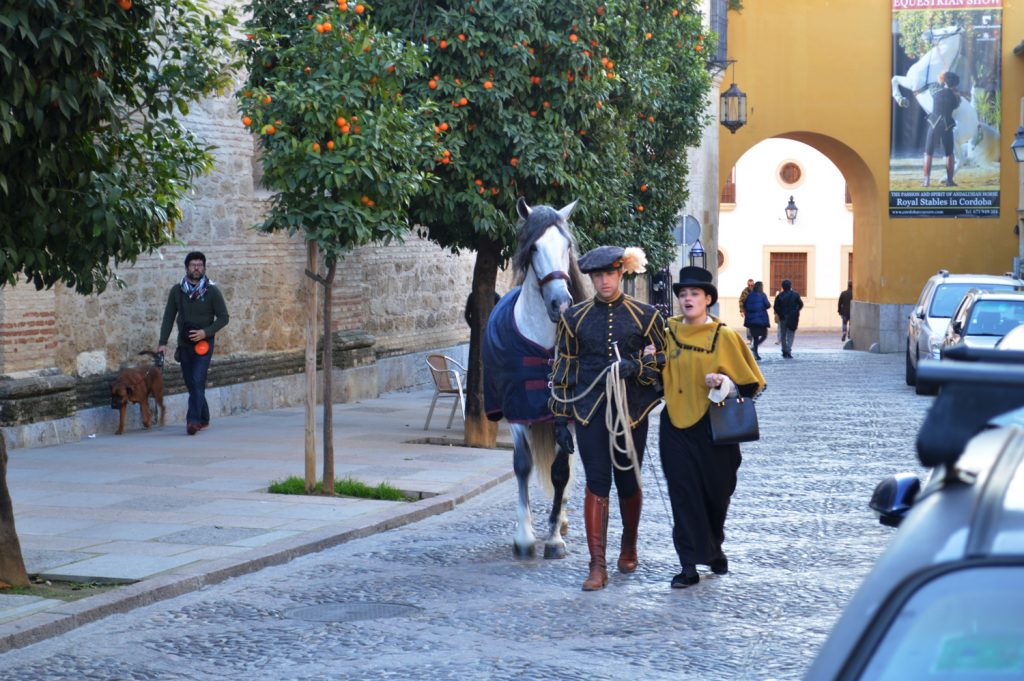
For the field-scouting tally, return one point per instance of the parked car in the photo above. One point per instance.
(984, 317)
(927, 324)
(944, 600)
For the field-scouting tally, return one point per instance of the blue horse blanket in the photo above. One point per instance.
(515, 368)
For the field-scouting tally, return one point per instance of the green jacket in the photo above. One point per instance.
(208, 312)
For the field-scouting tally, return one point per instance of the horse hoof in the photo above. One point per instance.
(524, 551)
(554, 551)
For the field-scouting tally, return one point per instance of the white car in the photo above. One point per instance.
(939, 298)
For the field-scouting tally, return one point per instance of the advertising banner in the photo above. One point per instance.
(944, 142)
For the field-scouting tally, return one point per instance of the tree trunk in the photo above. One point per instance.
(328, 396)
(480, 432)
(12, 565)
(311, 312)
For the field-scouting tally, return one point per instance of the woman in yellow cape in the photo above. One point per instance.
(704, 360)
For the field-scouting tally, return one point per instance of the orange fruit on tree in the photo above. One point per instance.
(327, 26)
(573, 37)
(443, 44)
(124, 4)
(330, 145)
(478, 182)
(246, 121)
(307, 70)
(699, 48)
(443, 126)
(343, 6)
(316, 147)
(600, 10)
(643, 187)
(463, 102)
(640, 208)
(675, 12)
(432, 85)
(319, 28)
(340, 122)
(269, 129)
(462, 37)
(267, 99)
(648, 35)
(488, 85)
(514, 162)
(360, 9)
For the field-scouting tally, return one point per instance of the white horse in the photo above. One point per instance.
(925, 73)
(517, 351)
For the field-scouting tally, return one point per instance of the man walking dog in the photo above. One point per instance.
(199, 308)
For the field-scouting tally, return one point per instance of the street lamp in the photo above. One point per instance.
(791, 211)
(698, 258)
(1018, 145)
(732, 106)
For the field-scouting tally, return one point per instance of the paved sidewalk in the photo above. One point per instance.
(167, 513)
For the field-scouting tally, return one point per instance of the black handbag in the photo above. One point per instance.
(734, 420)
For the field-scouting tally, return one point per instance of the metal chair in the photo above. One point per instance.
(448, 380)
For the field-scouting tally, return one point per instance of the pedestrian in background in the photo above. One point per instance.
(591, 336)
(845, 302)
(199, 308)
(743, 299)
(701, 354)
(756, 318)
(788, 305)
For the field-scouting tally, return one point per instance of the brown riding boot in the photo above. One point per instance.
(630, 509)
(595, 516)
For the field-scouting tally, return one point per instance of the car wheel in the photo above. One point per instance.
(911, 371)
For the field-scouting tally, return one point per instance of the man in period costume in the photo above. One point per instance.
(607, 329)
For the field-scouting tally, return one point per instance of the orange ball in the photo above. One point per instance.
(202, 347)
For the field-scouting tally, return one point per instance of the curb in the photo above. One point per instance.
(68, 616)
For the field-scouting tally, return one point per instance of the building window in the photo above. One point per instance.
(790, 173)
(792, 266)
(728, 194)
(719, 24)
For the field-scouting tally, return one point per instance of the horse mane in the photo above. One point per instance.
(531, 229)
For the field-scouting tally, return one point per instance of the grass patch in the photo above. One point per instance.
(64, 591)
(346, 488)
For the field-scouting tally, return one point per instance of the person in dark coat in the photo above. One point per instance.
(845, 302)
(788, 305)
(701, 354)
(591, 336)
(755, 317)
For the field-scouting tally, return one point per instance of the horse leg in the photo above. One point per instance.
(902, 101)
(522, 462)
(554, 545)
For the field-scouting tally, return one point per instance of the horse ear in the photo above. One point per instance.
(567, 210)
(522, 208)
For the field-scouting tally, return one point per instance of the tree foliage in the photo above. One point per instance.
(588, 99)
(343, 148)
(94, 157)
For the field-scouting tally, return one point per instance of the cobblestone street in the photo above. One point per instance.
(445, 599)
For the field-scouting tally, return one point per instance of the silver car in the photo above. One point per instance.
(927, 324)
(983, 317)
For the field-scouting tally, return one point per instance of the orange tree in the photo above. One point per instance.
(343, 147)
(589, 99)
(93, 156)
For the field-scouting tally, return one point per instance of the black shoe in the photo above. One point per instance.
(757, 357)
(688, 577)
(720, 565)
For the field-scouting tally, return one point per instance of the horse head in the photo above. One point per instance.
(546, 250)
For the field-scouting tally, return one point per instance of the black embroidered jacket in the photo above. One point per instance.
(586, 333)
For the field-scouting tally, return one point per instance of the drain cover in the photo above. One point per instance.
(351, 612)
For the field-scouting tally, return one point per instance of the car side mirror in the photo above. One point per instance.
(958, 328)
(919, 312)
(893, 498)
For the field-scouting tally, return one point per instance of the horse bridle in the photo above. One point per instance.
(551, 276)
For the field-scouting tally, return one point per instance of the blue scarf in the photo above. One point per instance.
(194, 291)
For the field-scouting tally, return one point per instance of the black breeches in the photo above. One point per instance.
(594, 453)
(701, 478)
(934, 136)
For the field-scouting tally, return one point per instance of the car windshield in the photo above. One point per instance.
(948, 296)
(994, 317)
(962, 625)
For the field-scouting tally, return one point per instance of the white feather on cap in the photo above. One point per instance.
(634, 260)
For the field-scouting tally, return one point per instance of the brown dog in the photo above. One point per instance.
(136, 385)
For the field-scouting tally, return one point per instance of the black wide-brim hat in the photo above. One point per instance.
(696, 277)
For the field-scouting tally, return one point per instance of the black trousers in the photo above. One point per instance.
(596, 457)
(701, 478)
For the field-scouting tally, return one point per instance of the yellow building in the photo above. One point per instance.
(819, 72)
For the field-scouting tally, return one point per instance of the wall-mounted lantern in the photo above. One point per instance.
(791, 211)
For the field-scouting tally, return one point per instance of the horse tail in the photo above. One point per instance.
(542, 446)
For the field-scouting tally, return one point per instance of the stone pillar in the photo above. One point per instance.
(27, 329)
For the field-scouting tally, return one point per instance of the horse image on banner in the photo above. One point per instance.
(973, 142)
(518, 349)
